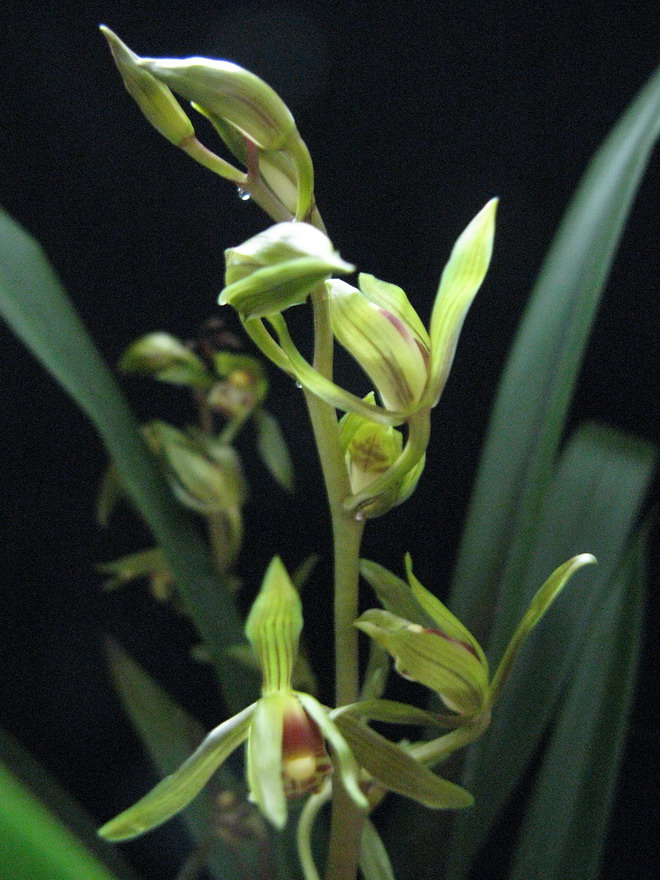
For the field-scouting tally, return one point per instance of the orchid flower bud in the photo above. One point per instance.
(370, 450)
(205, 475)
(278, 268)
(153, 97)
(164, 357)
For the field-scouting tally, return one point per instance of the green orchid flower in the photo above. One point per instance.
(431, 646)
(286, 732)
(407, 364)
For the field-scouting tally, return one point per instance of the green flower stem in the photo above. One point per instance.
(197, 151)
(347, 820)
(346, 824)
(345, 835)
(435, 751)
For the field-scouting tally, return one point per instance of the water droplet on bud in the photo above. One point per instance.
(359, 516)
(298, 385)
(243, 194)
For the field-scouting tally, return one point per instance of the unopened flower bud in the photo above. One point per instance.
(153, 97)
(204, 475)
(278, 268)
(230, 93)
(370, 449)
(165, 358)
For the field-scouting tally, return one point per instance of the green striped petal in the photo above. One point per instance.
(460, 281)
(381, 342)
(425, 655)
(345, 762)
(264, 758)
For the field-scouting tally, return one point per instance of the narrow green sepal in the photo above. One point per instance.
(393, 712)
(461, 279)
(398, 771)
(443, 619)
(537, 608)
(273, 627)
(394, 593)
(177, 790)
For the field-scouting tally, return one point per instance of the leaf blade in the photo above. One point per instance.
(565, 825)
(35, 305)
(599, 464)
(535, 390)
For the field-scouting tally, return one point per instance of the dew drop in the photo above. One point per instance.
(243, 194)
(298, 385)
(359, 516)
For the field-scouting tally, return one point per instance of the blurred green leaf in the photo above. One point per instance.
(593, 505)
(35, 844)
(170, 735)
(273, 450)
(528, 417)
(34, 303)
(565, 825)
(54, 801)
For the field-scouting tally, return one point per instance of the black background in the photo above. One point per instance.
(415, 114)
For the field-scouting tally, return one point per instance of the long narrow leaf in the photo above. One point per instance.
(34, 303)
(38, 780)
(595, 501)
(34, 844)
(535, 391)
(565, 825)
(170, 735)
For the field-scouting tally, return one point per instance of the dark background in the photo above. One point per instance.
(415, 114)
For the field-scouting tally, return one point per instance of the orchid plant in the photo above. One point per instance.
(302, 752)
(368, 468)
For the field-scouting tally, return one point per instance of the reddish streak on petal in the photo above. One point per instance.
(466, 645)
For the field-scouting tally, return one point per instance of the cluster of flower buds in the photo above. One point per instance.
(407, 364)
(252, 120)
